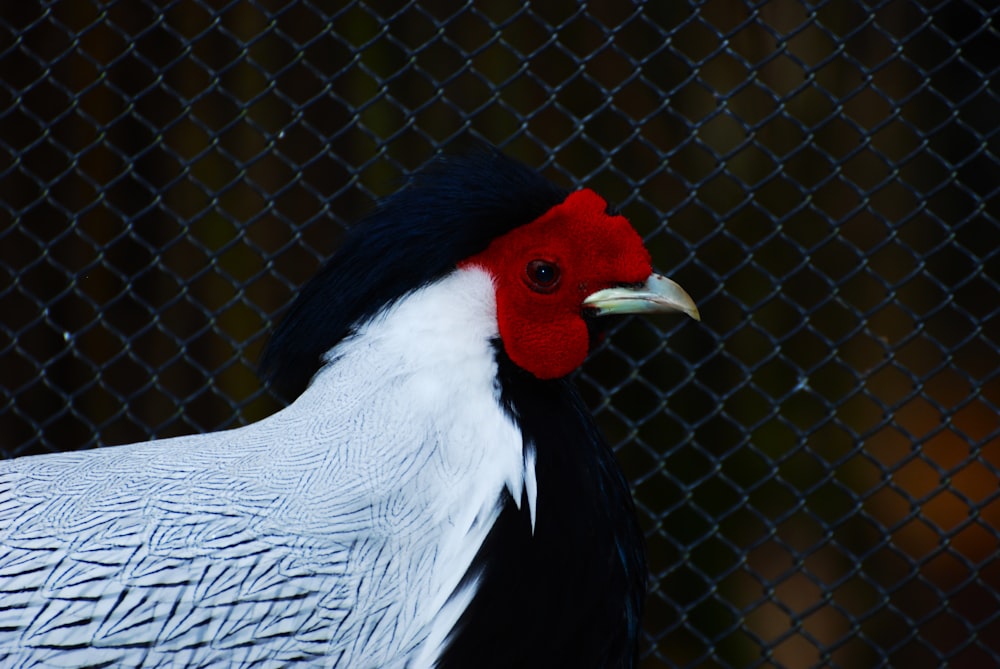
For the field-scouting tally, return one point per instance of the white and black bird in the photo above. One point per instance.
(436, 495)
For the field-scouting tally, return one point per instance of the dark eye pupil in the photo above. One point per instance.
(542, 276)
(545, 273)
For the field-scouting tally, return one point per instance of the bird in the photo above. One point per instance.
(435, 493)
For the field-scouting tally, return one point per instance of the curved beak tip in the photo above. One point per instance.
(658, 295)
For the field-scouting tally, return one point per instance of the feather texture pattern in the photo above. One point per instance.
(336, 532)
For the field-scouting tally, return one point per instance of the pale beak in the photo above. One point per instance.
(658, 294)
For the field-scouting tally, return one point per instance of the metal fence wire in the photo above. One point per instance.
(816, 464)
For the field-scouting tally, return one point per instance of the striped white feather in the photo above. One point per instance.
(333, 532)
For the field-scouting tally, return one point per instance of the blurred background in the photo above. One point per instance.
(815, 463)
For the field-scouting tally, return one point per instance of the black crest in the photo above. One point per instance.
(449, 211)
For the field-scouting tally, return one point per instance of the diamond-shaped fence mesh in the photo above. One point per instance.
(815, 464)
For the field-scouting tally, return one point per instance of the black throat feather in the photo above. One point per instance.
(569, 593)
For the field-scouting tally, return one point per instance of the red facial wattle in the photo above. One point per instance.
(545, 269)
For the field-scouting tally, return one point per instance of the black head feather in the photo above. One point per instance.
(450, 211)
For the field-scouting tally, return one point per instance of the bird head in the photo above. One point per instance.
(574, 262)
(557, 260)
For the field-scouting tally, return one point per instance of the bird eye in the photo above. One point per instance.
(542, 276)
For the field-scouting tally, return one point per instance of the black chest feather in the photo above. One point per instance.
(570, 593)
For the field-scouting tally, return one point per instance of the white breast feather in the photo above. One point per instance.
(333, 532)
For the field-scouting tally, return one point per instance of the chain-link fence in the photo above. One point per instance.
(816, 464)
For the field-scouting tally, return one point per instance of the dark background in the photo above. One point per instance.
(816, 463)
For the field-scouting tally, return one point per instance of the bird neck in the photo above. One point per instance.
(427, 362)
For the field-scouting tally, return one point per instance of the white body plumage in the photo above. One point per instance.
(335, 531)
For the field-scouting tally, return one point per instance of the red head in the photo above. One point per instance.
(543, 272)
